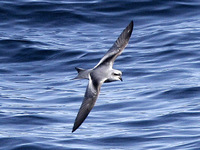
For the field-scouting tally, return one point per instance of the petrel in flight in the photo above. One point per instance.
(102, 72)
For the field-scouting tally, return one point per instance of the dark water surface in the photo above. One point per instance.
(157, 106)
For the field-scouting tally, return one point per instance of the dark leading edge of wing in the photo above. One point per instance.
(117, 47)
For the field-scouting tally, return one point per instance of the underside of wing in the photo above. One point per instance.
(90, 98)
(117, 47)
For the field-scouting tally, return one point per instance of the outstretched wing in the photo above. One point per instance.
(89, 100)
(117, 47)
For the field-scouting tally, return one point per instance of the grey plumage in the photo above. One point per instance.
(102, 72)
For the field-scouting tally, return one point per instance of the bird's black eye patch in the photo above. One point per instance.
(116, 74)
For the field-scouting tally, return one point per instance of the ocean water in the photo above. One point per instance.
(156, 107)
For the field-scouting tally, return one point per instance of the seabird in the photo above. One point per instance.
(102, 72)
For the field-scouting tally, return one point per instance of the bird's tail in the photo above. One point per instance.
(82, 73)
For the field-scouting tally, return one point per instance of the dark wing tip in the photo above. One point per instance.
(129, 30)
(74, 129)
(79, 120)
(124, 37)
(77, 124)
(131, 23)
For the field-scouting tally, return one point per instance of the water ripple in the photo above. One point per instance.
(157, 105)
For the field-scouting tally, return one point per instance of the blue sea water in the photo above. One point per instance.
(156, 107)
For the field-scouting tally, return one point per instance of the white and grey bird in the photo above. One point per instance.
(102, 72)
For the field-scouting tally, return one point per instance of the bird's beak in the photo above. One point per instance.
(121, 78)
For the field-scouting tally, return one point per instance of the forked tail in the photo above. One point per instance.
(82, 73)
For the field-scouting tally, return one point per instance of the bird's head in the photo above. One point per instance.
(116, 75)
